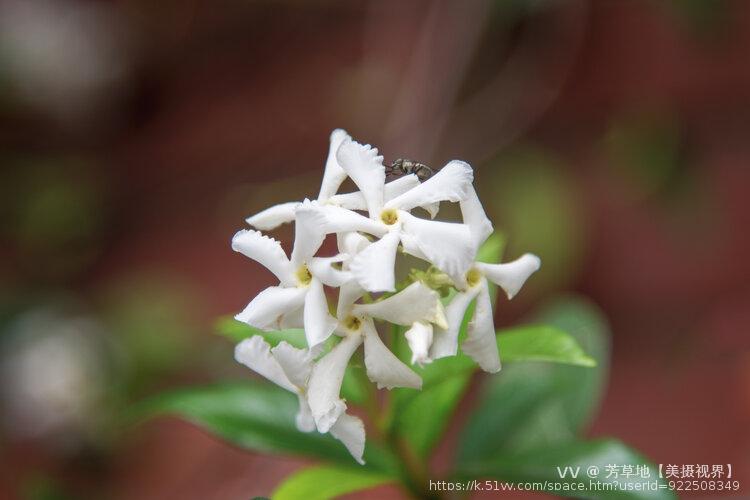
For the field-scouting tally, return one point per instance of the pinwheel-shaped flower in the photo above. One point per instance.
(289, 368)
(480, 343)
(300, 291)
(333, 177)
(446, 245)
(416, 303)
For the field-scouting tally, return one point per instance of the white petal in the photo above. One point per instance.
(322, 268)
(383, 367)
(356, 200)
(373, 267)
(333, 175)
(481, 343)
(274, 216)
(304, 419)
(366, 169)
(325, 383)
(474, 217)
(309, 232)
(512, 275)
(319, 324)
(292, 319)
(350, 430)
(445, 340)
(450, 183)
(399, 186)
(349, 201)
(447, 245)
(417, 302)
(338, 220)
(255, 353)
(351, 243)
(266, 251)
(265, 309)
(295, 362)
(419, 337)
(349, 293)
(410, 246)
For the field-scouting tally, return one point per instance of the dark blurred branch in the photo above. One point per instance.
(441, 42)
(524, 88)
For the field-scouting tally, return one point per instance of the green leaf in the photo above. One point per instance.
(324, 482)
(517, 344)
(587, 324)
(237, 331)
(533, 404)
(255, 416)
(421, 416)
(541, 465)
(541, 343)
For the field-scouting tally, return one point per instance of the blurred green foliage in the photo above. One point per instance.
(40, 487)
(705, 19)
(256, 416)
(54, 215)
(324, 482)
(537, 404)
(644, 150)
(531, 196)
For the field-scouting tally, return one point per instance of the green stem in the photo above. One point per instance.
(416, 472)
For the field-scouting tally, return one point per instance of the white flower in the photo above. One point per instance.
(301, 279)
(290, 368)
(382, 366)
(349, 244)
(417, 307)
(415, 304)
(419, 337)
(368, 246)
(448, 246)
(333, 176)
(480, 343)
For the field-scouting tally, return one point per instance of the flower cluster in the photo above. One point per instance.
(372, 226)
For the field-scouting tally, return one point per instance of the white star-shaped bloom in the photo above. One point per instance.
(480, 343)
(448, 246)
(301, 279)
(416, 303)
(290, 368)
(333, 177)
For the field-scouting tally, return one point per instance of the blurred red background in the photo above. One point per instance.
(611, 138)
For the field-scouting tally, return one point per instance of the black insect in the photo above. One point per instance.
(405, 167)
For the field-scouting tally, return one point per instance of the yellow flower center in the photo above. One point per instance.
(473, 276)
(303, 275)
(389, 216)
(352, 323)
